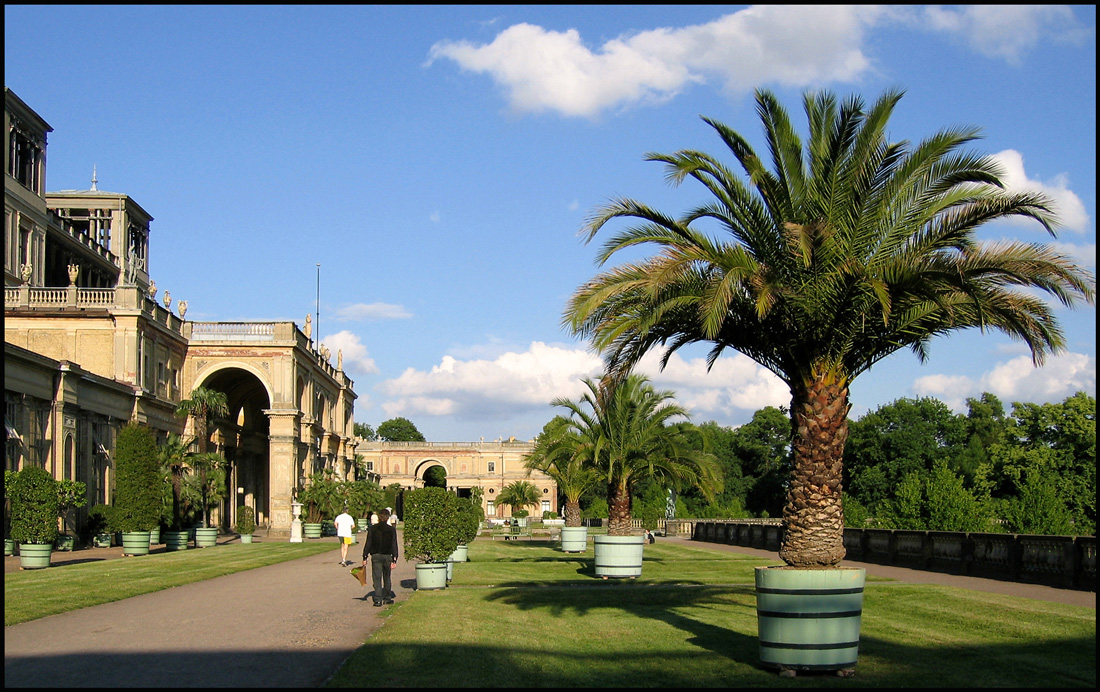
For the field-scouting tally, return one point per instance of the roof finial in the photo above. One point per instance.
(94, 181)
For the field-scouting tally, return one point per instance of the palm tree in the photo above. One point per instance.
(629, 433)
(559, 452)
(518, 494)
(174, 456)
(847, 250)
(203, 405)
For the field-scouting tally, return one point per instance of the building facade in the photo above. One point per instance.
(466, 465)
(89, 346)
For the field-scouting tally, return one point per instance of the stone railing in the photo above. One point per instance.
(233, 331)
(1067, 562)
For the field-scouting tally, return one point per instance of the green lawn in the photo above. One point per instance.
(32, 594)
(522, 614)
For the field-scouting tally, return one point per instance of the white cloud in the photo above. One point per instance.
(1016, 380)
(371, 311)
(514, 384)
(1067, 205)
(545, 70)
(1005, 31)
(355, 356)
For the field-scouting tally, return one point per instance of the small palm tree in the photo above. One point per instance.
(842, 252)
(559, 452)
(203, 405)
(630, 433)
(175, 454)
(518, 494)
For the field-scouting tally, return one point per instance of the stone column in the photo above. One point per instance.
(282, 455)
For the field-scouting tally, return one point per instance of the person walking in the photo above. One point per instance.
(381, 548)
(344, 527)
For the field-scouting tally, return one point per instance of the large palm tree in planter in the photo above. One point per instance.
(175, 454)
(819, 265)
(560, 452)
(633, 432)
(204, 405)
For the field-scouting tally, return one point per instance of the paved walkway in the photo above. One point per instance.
(286, 625)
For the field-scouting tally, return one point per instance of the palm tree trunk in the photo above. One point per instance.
(813, 518)
(573, 512)
(619, 510)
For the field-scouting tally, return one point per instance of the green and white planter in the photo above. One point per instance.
(431, 576)
(102, 540)
(618, 556)
(176, 540)
(809, 619)
(461, 554)
(154, 536)
(311, 530)
(9, 547)
(246, 538)
(206, 537)
(35, 555)
(66, 543)
(135, 543)
(574, 539)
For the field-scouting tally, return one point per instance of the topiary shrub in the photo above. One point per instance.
(137, 479)
(470, 516)
(33, 494)
(246, 520)
(432, 524)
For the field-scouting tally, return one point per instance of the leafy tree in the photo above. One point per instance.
(399, 430)
(899, 438)
(203, 405)
(560, 453)
(137, 479)
(70, 494)
(436, 477)
(843, 252)
(764, 447)
(364, 431)
(433, 524)
(630, 428)
(33, 494)
(985, 424)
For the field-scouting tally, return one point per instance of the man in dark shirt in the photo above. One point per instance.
(381, 548)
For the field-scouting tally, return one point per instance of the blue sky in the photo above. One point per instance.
(438, 162)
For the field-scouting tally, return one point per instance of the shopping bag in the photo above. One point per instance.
(360, 573)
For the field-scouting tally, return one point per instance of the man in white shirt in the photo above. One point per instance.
(344, 527)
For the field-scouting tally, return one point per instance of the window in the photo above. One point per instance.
(26, 153)
(546, 505)
(490, 508)
(492, 467)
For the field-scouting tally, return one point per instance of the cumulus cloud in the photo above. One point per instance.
(356, 358)
(1068, 206)
(371, 311)
(1006, 32)
(1016, 380)
(544, 70)
(515, 383)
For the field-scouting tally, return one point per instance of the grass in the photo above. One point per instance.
(32, 594)
(522, 614)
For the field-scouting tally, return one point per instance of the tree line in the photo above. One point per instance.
(914, 464)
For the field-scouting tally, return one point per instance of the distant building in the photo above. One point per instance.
(486, 465)
(89, 345)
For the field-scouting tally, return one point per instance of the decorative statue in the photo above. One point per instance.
(308, 329)
(152, 290)
(340, 359)
(183, 308)
(167, 299)
(74, 271)
(25, 271)
(325, 353)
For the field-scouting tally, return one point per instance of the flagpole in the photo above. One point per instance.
(317, 317)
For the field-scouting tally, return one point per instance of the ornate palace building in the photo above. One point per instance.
(89, 346)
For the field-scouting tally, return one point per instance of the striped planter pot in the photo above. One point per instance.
(809, 619)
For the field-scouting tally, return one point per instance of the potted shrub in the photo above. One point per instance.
(322, 497)
(561, 453)
(175, 454)
(70, 494)
(137, 487)
(33, 493)
(97, 528)
(246, 523)
(431, 534)
(830, 258)
(469, 516)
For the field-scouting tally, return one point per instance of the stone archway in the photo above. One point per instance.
(424, 473)
(243, 439)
